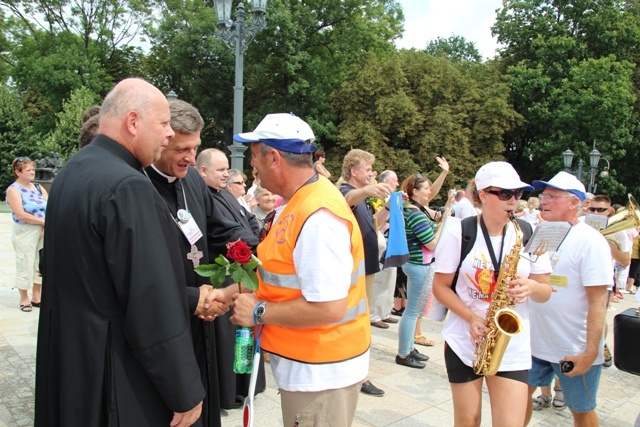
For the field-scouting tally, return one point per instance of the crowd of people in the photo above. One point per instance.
(129, 334)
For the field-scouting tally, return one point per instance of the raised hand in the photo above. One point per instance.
(442, 162)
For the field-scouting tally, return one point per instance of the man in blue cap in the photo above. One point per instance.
(310, 305)
(567, 330)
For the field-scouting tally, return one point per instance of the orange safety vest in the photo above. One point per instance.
(343, 340)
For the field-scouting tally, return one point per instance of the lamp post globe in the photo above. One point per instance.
(567, 158)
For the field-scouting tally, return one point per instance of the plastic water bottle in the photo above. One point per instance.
(243, 357)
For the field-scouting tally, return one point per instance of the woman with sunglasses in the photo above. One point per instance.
(496, 188)
(28, 202)
(422, 236)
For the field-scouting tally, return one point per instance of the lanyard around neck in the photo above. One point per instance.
(487, 239)
(184, 197)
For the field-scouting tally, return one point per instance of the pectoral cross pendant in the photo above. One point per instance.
(194, 256)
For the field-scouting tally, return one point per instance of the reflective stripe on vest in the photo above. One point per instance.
(291, 281)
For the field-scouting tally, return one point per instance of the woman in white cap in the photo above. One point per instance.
(497, 189)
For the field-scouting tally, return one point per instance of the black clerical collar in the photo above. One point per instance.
(170, 179)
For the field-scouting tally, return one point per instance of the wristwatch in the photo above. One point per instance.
(259, 311)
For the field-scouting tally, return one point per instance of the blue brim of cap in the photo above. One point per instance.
(541, 185)
(242, 140)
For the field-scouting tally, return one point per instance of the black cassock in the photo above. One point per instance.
(114, 346)
(208, 347)
(232, 384)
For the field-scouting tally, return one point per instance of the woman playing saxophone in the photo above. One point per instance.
(479, 293)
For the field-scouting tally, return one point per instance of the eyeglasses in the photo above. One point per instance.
(268, 222)
(597, 209)
(551, 197)
(237, 182)
(22, 159)
(506, 195)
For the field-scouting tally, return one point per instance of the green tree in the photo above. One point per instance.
(292, 65)
(456, 48)
(64, 138)
(56, 46)
(410, 107)
(571, 69)
(16, 134)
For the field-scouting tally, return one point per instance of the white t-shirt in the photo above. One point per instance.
(475, 291)
(532, 216)
(559, 326)
(626, 244)
(324, 241)
(463, 209)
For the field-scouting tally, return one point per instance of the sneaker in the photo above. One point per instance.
(410, 362)
(541, 402)
(608, 360)
(371, 390)
(419, 356)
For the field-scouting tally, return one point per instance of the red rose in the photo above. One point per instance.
(239, 252)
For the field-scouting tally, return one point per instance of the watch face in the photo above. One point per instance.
(260, 311)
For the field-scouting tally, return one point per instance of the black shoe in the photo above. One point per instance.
(410, 362)
(397, 312)
(370, 389)
(418, 356)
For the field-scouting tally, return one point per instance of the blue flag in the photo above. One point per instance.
(397, 249)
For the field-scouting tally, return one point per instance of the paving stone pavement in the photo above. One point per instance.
(413, 397)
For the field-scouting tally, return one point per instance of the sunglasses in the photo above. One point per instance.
(22, 159)
(506, 195)
(598, 209)
(268, 222)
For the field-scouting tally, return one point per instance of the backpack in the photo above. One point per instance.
(469, 233)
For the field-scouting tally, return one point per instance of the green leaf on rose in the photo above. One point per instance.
(247, 278)
(251, 265)
(206, 270)
(222, 260)
(218, 277)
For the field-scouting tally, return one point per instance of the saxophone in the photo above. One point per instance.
(501, 319)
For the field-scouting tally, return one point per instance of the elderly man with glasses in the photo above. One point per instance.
(567, 338)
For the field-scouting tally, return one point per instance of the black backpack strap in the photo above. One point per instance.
(469, 233)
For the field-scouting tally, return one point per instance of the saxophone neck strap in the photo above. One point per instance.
(487, 239)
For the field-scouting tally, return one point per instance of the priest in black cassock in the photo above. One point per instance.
(114, 345)
(192, 206)
(213, 166)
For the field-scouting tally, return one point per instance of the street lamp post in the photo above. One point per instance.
(594, 158)
(237, 35)
(567, 158)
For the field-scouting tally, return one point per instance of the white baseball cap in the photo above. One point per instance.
(501, 175)
(563, 181)
(282, 131)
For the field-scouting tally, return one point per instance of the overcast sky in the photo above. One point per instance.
(427, 20)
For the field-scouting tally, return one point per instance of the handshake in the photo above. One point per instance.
(214, 302)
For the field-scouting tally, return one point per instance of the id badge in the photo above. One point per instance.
(560, 281)
(190, 230)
